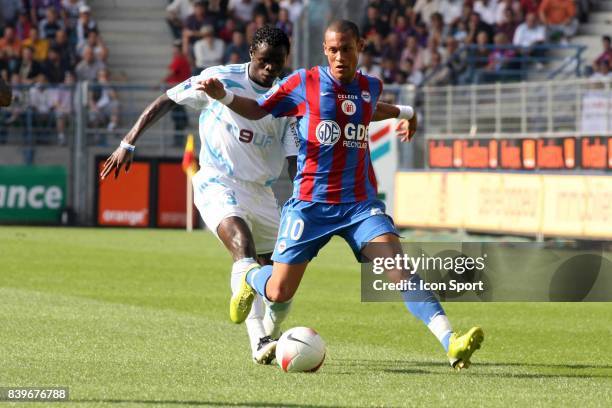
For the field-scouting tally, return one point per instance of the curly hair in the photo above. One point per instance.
(272, 37)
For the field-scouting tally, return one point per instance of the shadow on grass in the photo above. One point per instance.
(421, 367)
(505, 375)
(203, 403)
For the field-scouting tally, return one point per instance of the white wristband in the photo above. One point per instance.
(406, 112)
(228, 98)
(127, 146)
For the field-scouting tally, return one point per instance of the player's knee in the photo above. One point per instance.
(280, 293)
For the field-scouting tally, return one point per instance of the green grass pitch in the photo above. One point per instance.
(139, 318)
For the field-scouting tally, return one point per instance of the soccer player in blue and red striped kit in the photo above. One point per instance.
(335, 186)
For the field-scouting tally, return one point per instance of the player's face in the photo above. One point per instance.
(342, 51)
(266, 64)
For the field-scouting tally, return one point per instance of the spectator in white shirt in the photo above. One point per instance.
(529, 33)
(451, 10)
(176, 14)
(209, 50)
(62, 105)
(242, 9)
(500, 12)
(426, 8)
(603, 70)
(294, 7)
(41, 105)
(487, 10)
(368, 66)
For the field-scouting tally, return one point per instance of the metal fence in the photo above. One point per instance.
(581, 107)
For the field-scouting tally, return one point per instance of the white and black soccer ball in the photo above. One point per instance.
(300, 349)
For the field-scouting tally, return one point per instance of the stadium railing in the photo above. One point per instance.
(528, 126)
(579, 107)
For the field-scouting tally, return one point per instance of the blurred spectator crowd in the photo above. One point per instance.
(444, 42)
(45, 47)
(218, 32)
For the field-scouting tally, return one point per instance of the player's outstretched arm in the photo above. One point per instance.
(124, 154)
(406, 128)
(6, 95)
(247, 107)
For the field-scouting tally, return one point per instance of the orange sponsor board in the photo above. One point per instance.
(171, 196)
(476, 154)
(440, 153)
(553, 205)
(511, 154)
(125, 201)
(594, 153)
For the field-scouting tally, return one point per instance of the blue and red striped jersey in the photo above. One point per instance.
(334, 164)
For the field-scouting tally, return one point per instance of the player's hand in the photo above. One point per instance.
(213, 87)
(115, 161)
(406, 129)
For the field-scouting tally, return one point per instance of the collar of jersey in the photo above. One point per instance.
(335, 81)
(257, 88)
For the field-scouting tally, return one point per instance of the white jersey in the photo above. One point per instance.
(247, 150)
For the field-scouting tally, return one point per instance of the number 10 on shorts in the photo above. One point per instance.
(292, 229)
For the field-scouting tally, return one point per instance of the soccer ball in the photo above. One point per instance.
(300, 349)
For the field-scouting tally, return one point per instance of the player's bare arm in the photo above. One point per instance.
(406, 128)
(247, 107)
(124, 156)
(6, 94)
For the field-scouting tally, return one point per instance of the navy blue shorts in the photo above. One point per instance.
(305, 227)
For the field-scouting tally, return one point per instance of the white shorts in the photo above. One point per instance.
(218, 196)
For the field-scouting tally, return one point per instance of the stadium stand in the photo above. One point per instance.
(419, 42)
(541, 39)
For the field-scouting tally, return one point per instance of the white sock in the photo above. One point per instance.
(254, 321)
(275, 315)
(440, 327)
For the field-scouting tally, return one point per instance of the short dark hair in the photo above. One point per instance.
(606, 38)
(343, 26)
(270, 36)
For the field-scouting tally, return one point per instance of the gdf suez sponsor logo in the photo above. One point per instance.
(328, 133)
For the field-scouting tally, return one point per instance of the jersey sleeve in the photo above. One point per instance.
(378, 89)
(185, 93)
(287, 98)
(290, 138)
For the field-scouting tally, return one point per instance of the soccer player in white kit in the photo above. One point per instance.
(240, 159)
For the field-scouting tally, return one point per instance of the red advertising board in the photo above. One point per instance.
(475, 154)
(593, 154)
(528, 154)
(125, 201)
(511, 154)
(440, 153)
(171, 196)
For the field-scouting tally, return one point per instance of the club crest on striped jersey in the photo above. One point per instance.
(365, 95)
(328, 132)
(348, 107)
